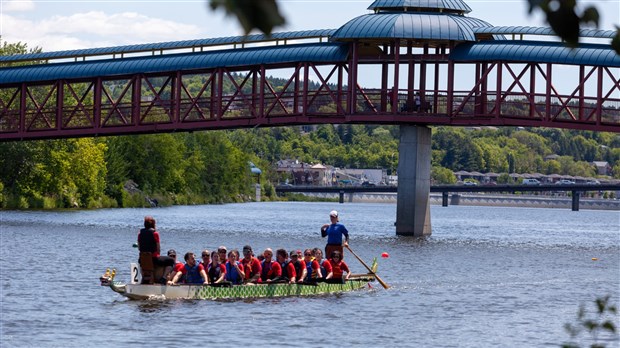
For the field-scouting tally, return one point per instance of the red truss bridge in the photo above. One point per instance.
(401, 64)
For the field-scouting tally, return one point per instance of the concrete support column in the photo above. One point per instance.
(414, 182)
(575, 205)
(257, 192)
(444, 199)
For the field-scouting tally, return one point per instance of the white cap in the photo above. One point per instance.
(333, 213)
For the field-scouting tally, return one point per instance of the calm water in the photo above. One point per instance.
(488, 277)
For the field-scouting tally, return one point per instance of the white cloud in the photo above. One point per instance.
(17, 5)
(95, 29)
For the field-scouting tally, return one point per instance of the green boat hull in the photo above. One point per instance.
(207, 292)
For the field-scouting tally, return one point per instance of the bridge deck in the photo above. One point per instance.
(456, 188)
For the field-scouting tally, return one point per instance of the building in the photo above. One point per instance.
(602, 168)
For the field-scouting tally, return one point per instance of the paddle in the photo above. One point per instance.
(384, 284)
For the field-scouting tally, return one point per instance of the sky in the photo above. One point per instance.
(57, 25)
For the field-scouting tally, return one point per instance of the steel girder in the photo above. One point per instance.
(520, 104)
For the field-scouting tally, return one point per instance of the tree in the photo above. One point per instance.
(561, 15)
(441, 175)
(88, 169)
(504, 178)
(10, 49)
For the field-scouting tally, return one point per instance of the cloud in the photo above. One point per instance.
(95, 29)
(17, 6)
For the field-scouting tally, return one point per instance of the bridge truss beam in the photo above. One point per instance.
(499, 94)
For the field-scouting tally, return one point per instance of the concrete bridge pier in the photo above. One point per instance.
(414, 182)
(575, 202)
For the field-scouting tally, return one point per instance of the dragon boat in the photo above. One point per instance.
(136, 291)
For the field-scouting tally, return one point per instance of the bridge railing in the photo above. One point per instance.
(512, 104)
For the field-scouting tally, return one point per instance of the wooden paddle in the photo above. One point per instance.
(384, 284)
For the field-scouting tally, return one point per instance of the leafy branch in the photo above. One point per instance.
(594, 327)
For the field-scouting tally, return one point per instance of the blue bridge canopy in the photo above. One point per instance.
(536, 52)
(324, 52)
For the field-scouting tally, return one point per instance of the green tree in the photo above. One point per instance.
(551, 167)
(441, 175)
(504, 178)
(88, 170)
(10, 49)
(155, 162)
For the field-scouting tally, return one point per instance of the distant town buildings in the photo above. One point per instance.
(298, 173)
(294, 172)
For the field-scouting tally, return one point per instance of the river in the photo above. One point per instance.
(487, 277)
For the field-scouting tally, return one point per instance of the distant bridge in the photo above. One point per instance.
(445, 190)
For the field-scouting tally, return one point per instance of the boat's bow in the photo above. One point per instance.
(107, 279)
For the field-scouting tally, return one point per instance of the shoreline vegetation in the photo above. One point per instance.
(216, 167)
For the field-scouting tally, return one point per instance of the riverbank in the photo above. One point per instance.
(471, 199)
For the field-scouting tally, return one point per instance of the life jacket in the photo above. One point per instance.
(192, 276)
(311, 272)
(265, 268)
(214, 272)
(285, 269)
(146, 240)
(232, 274)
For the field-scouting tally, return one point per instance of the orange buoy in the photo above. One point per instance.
(385, 255)
(594, 259)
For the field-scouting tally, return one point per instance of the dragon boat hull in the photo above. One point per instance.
(207, 292)
(137, 291)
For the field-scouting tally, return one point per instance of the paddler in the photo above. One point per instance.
(148, 242)
(193, 272)
(334, 233)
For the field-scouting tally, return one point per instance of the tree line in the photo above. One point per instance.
(213, 166)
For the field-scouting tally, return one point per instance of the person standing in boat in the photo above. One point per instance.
(234, 269)
(288, 270)
(338, 268)
(148, 242)
(217, 270)
(252, 266)
(334, 233)
(323, 263)
(193, 272)
(270, 269)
